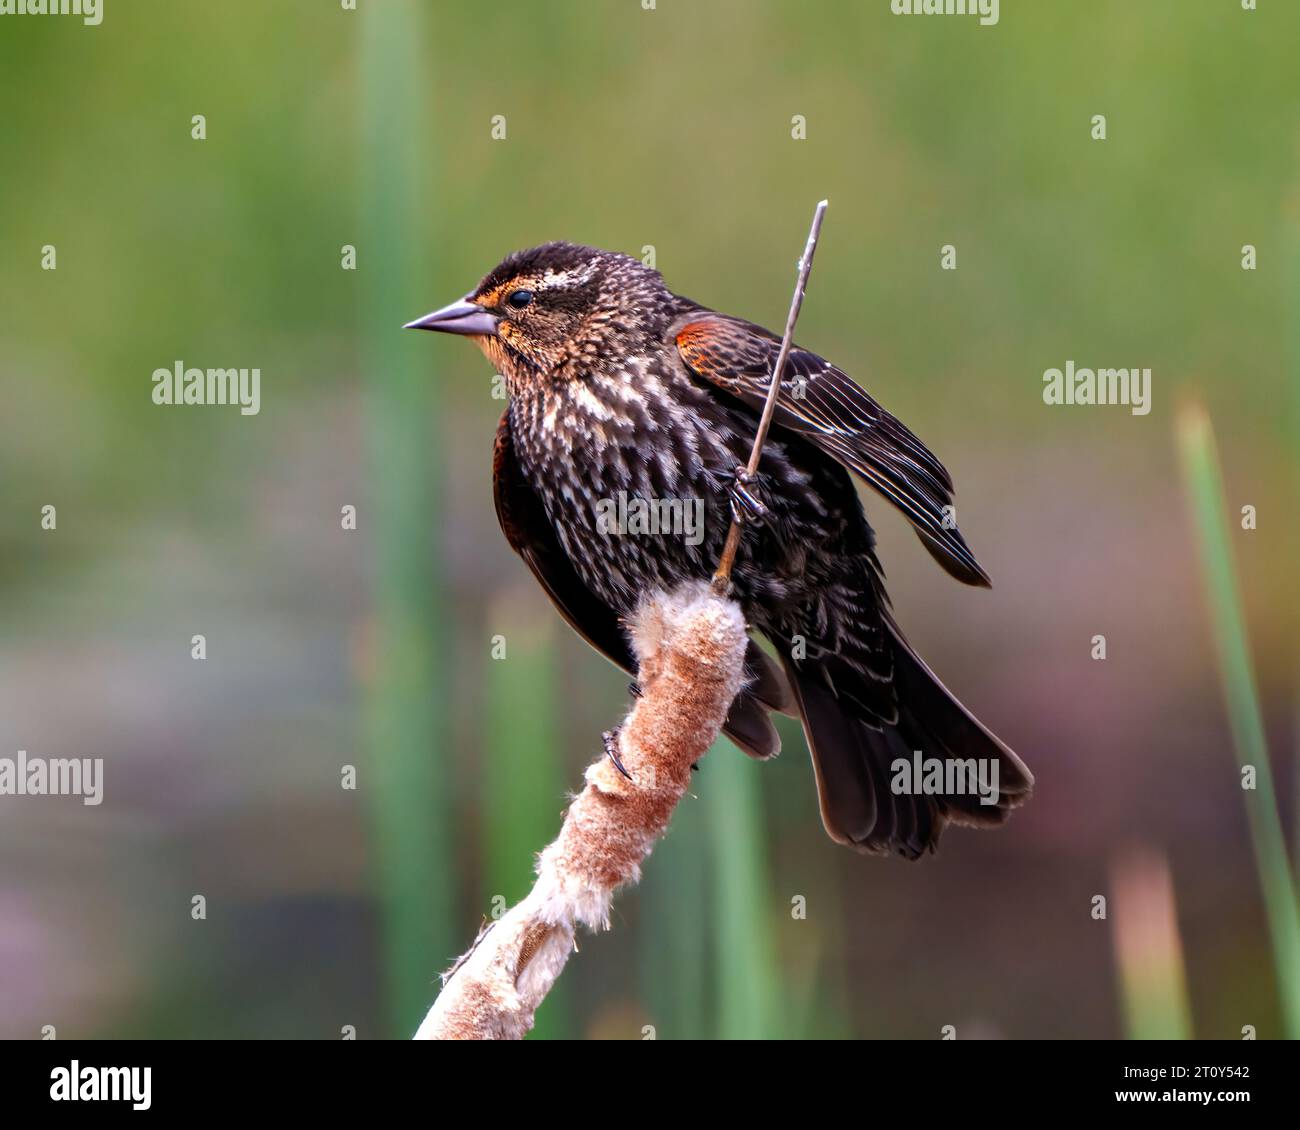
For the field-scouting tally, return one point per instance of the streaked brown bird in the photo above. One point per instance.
(619, 388)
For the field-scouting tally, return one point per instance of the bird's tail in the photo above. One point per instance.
(891, 789)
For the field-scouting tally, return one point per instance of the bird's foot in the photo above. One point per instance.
(745, 506)
(610, 740)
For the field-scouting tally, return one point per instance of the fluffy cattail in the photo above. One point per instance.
(690, 650)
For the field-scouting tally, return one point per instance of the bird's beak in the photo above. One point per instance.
(461, 317)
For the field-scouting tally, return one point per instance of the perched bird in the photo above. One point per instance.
(619, 387)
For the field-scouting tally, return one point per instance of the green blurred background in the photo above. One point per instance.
(626, 128)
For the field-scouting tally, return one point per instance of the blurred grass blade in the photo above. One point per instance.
(523, 795)
(1292, 434)
(404, 711)
(749, 988)
(1148, 949)
(674, 929)
(1205, 492)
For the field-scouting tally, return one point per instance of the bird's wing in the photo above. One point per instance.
(829, 409)
(531, 535)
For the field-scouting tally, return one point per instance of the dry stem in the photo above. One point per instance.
(722, 578)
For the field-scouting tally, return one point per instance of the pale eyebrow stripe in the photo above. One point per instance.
(573, 276)
(550, 280)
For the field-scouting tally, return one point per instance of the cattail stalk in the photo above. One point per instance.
(690, 649)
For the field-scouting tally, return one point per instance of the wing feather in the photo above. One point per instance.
(825, 406)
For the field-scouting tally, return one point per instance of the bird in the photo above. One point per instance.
(618, 387)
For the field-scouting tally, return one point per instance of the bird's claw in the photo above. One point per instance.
(610, 740)
(745, 506)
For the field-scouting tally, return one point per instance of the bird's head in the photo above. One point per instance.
(551, 310)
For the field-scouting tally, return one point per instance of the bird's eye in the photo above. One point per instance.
(520, 298)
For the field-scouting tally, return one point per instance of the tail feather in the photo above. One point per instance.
(854, 757)
(765, 680)
(945, 728)
(750, 726)
(766, 688)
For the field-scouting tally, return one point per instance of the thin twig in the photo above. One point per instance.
(722, 578)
